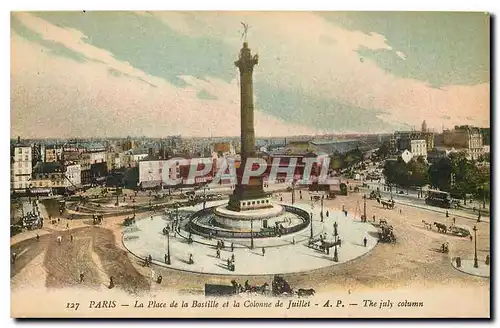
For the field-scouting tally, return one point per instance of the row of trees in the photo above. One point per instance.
(346, 160)
(455, 174)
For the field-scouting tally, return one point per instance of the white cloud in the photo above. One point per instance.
(298, 51)
(333, 69)
(83, 99)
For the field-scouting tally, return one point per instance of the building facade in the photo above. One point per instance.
(417, 147)
(21, 166)
(465, 137)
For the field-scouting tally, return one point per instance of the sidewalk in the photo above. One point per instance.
(452, 212)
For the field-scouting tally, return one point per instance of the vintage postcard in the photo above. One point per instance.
(250, 164)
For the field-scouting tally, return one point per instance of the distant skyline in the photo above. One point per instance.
(154, 74)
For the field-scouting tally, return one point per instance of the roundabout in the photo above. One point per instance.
(290, 253)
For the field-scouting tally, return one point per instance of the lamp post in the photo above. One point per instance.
(117, 201)
(204, 196)
(312, 210)
(364, 208)
(335, 235)
(322, 198)
(168, 247)
(311, 236)
(293, 193)
(251, 233)
(475, 247)
(177, 212)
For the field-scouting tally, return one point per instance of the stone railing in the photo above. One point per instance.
(194, 227)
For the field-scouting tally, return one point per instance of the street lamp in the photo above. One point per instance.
(335, 235)
(322, 198)
(251, 233)
(311, 237)
(312, 210)
(364, 209)
(475, 247)
(168, 247)
(204, 196)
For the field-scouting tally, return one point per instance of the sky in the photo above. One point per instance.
(155, 74)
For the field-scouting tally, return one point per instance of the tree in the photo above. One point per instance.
(466, 176)
(440, 174)
(396, 172)
(383, 151)
(455, 174)
(419, 172)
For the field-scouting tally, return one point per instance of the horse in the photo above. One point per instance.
(59, 239)
(441, 227)
(427, 225)
(305, 292)
(387, 204)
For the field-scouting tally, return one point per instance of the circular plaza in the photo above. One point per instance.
(155, 237)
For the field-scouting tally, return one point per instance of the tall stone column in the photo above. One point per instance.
(254, 189)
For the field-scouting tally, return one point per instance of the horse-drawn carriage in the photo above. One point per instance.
(97, 219)
(322, 245)
(374, 195)
(389, 204)
(445, 248)
(280, 286)
(386, 232)
(128, 221)
(459, 231)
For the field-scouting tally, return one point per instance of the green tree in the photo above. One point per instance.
(419, 172)
(131, 178)
(440, 174)
(383, 151)
(396, 172)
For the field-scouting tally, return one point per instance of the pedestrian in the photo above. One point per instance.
(232, 257)
(400, 211)
(281, 199)
(470, 236)
(454, 220)
(479, 217)
(373, 218)
(37, 237)
(447, 214)
(166, 257)
(345, 213)
(327, 213)
(71, 238)
(263, 251)
(111, 282)
(81, 277)
(217, 253)
(293, 240)
(232, 247)
(365, 241)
